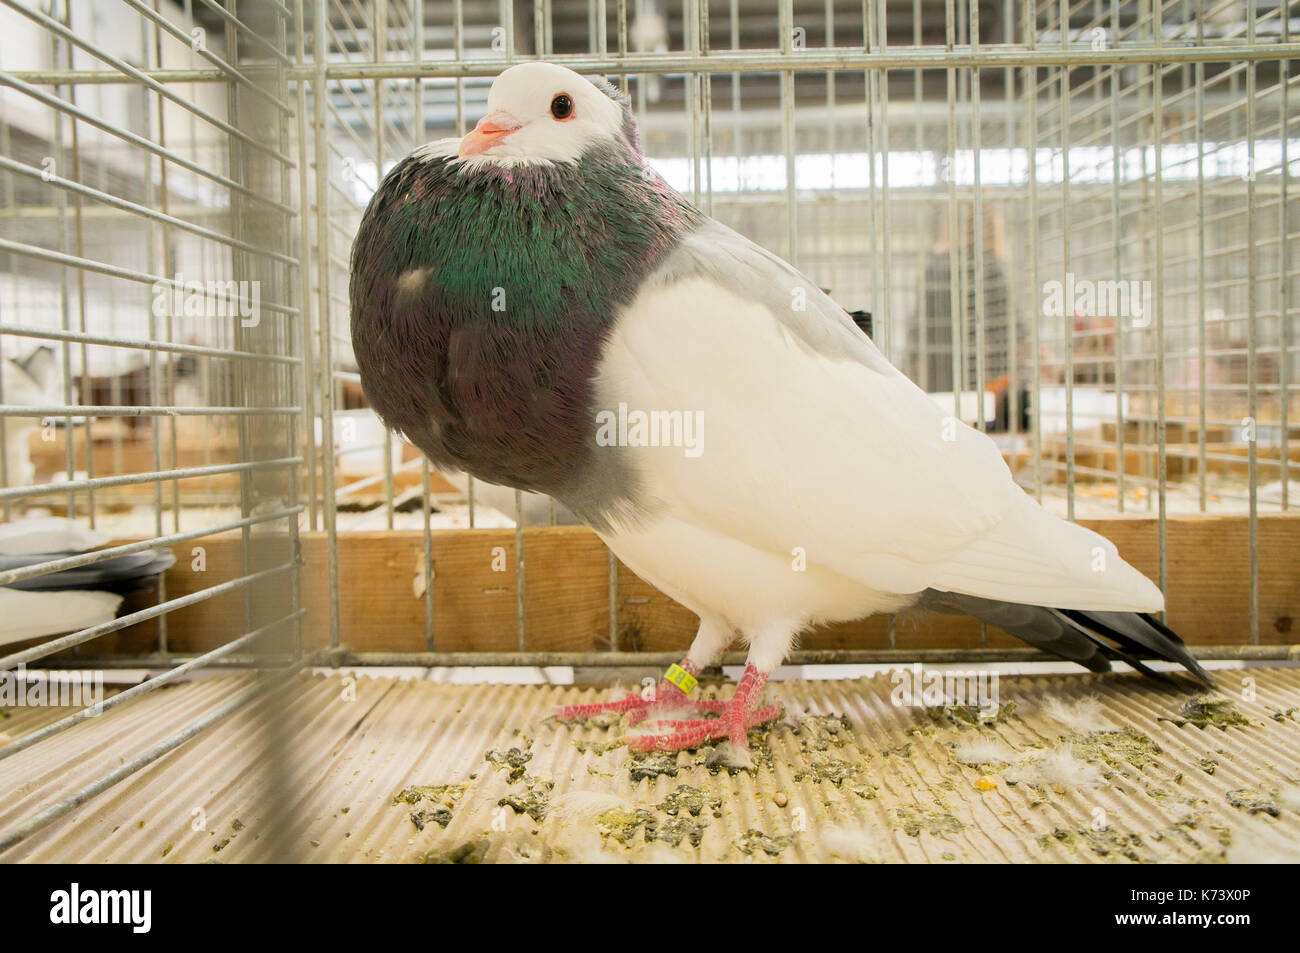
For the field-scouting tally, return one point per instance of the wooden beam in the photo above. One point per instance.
(567, 592)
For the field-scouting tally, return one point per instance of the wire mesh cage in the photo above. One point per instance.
(1069, 222)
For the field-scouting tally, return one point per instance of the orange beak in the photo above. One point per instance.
(490, 130)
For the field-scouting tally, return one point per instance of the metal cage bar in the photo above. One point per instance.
(109, 205)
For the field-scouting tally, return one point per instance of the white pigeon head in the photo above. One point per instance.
(540, 113)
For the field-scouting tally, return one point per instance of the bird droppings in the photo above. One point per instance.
(623, 824)
(470, 852)
(692, 800)
(651, 764)
(1208, 765)
(677, 829)
(1283, 714)
(440, 801)
(1118, 749)
(440, 816)
(714, 757)
(1082, 759)
(445, 794)
(971, 716)
(1253, 801)
(836, 772)
(1209, 713)
(601, 721)
(534, 802)
(822, 732)
(1103, 843)
(686, 811)
(1182, 830)
(513, 761)
(753, 840)
(938, 823)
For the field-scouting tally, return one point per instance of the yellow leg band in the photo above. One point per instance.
(681, 678)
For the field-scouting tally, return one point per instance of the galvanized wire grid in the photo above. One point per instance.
(152, 320)
(911, 156)
(934, 162)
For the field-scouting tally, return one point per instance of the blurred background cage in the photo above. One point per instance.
(1070, 222)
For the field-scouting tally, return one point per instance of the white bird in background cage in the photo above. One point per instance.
(536, 306)
(74, 598)
(28, 612)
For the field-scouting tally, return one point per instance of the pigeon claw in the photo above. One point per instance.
(738, 716)
(732, 726)
(665, 699)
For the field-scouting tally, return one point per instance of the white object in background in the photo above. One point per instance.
(358, 441)
(969, 402)
(33, 615)
(1092, 408)
(48, 534)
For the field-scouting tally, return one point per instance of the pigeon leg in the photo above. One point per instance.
(665, 697)
(741, 713)
(671, 694)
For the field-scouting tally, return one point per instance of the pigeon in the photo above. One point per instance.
(534, 305)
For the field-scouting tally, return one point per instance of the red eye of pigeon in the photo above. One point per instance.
(562, 107)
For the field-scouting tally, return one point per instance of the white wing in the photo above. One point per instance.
(812, 439)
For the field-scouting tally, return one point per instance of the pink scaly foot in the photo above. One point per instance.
(739, 715)
(638, 706)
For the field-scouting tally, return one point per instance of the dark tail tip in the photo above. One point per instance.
(1139, 636)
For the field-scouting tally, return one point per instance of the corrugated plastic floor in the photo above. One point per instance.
(1106, 769)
